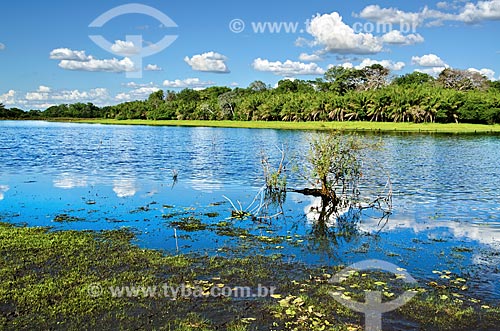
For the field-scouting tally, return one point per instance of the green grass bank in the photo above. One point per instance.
(345, 126)
(63, 280)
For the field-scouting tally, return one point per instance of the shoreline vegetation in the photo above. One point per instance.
(354, 126)
(343, 95)
(55, 280)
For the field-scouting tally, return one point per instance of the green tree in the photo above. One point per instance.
(414, 78)
(462, 80)
(156, 99)
(257, 86)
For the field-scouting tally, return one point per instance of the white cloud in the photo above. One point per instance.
(483, 10)
(346, 65)
(385, 63)
(45, 97)
(107, 65)
(429, 60)
(433, 71)
(187, 83)
(140, 93)
(136, 85)
(8, 98)
(443, 5)
(92, 95)
(377, 14)
(70, 55)
(287, 68)
(43, 88)
(467, 13)
(396, 37)
(330, 32)
(2, 47)
(41, 94)
(309, 57)
(153, 67)
(210, 62)
(78, 60)
(124, 48)
(490, 74)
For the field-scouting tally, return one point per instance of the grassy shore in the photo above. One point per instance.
(346, 126)
(64, 280)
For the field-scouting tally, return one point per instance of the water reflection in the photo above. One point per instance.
(439, 229)
(67, 180)
(125, 187)
(444, 187)
(3, 189)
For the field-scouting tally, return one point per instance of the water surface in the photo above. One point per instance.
(446, 204)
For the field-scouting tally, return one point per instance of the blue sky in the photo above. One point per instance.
(47, 57)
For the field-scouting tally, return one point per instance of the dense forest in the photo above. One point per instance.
(342, 94)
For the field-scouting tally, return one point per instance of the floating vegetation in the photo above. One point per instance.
(212, 214)
(462, 249)
(61, 218)
(189, 224)
(58, 296)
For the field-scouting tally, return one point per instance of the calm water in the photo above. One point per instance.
(446, 193)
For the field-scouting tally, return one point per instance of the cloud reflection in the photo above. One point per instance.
(3, 189)
(483, 232)
(125, 187)
(68, 180)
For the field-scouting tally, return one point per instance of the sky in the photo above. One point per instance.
(107, 52)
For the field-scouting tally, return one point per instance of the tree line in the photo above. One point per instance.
(342, 94)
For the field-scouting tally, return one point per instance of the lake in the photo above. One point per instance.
(446, 200)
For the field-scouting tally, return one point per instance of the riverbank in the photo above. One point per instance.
(76, 279)
(355, 126)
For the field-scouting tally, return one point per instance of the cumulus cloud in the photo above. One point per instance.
(107, 65)
(140, 93)
(42, 93)
(43, 88)
(488, 73)
(78, 60)
(396, 37)
(309, 57)
(481, 11)
(287, 68)
(429, 60)
(2, 47)
(45, 97)
(396, 66)
(70, 55)
(187, 83)
(209, 62)
(467, 13)
(137, 85)
(8, 98)
(124, 48)
(433, 71)
(377, 14)
(330, 32)
(153, 67)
